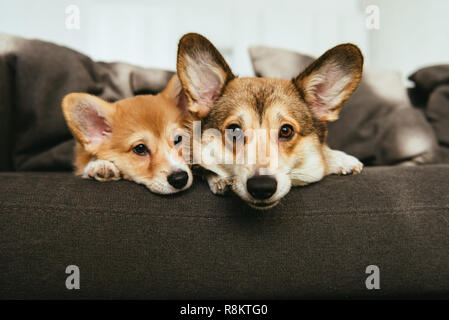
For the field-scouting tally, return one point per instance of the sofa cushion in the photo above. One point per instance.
(130, 243)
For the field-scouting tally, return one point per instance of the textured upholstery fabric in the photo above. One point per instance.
(130, 243)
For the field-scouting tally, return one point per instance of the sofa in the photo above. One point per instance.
(131, 244)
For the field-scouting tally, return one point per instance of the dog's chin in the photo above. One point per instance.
(240, 191)
(263, 205)
(160, 187)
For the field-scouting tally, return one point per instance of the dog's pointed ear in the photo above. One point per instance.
(89, 119)
(174, 92)
(203, 72)
(330, 80)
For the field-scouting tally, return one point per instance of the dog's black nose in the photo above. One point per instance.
(261, 187)
(178, 179)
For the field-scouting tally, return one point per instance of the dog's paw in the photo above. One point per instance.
(339, 162)
(101, 170)
(218, 185)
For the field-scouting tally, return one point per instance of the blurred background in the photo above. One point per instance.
(402, 35)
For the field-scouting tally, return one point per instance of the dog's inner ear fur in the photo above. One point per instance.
(88, 118)
(203, 72)
(330, 80)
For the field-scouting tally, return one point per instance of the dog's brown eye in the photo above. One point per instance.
(234, 131)
(178, 139)
(141, 150)
(286, 131)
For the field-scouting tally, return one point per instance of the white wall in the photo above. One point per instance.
(412, 33)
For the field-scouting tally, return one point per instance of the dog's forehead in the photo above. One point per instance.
(262, 92)
(147, 113)
(259, 97)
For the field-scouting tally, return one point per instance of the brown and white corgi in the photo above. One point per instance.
(296, 111)
(137, 138)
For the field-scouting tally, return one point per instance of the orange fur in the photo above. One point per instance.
(150, 120)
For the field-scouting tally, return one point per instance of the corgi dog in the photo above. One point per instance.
(295, 111)
(136, 139)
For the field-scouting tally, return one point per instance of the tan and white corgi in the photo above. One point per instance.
(296, 111)
(137, 138)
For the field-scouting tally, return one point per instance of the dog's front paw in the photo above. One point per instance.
(101, 170)
(339, 162)
(218, 185)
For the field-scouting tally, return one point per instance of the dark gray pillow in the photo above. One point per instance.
(432, 87)
(34, 77)
(431, 93)
(377, 124)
